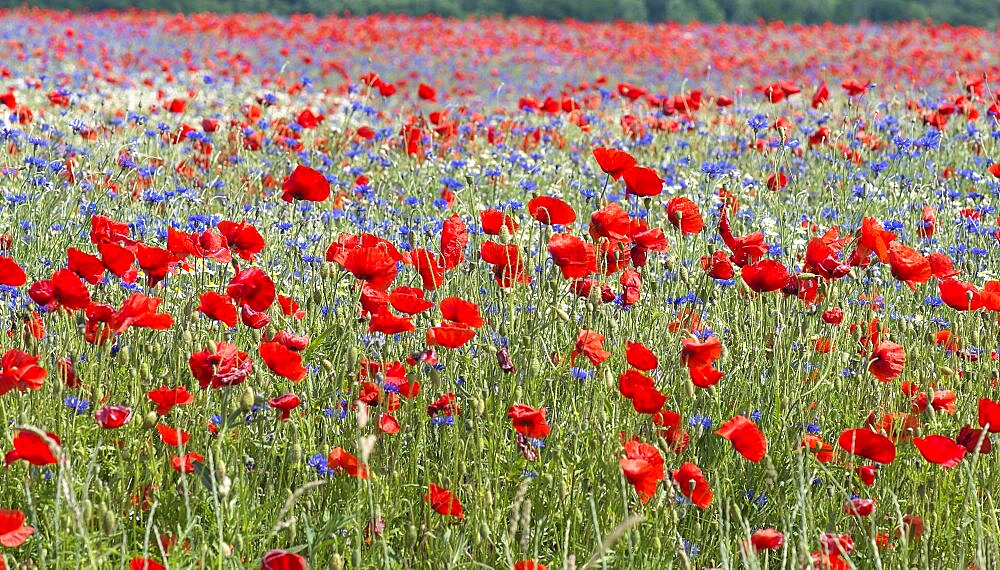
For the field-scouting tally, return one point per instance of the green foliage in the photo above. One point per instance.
(974, 12)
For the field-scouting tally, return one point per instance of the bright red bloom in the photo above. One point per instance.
(409, 300)
(243, 239)
(20, 370)
(746, 249)
(613, 161)
(591, 345)
(684, 215)
(281, 560)
(696, 353)
(643, 468)
(765, 276)
(253, 288)
(111, 417)
(282, 361)
(611, 222)
(304, 183)
(693, 484)
(375, 265)
(388, 424)
(461, 311)
(640, 357)
(941, 450)
(173, 437)
(166, 398)
(11, 273)
(443, 502)
(88, 267)
(227, 366)
(746, 438)
(888, 360)
(642, 181)
(873, 238)
(717, 266)
(493, 220)
(32, 448)
(69, 291)
(574, 257)
(13, 531)
(155, 262)
(218, 307)
(970, 438)
(450, 335)
(551, 211)
(529, 421)
(705, 376)
(185, 463)
(908, 265)
(989, 415)
(529, 565)
(454, 239)
(344, 462)
(140, 311)
(960, 295)
(285, 404)
(767, 539)
(868, 444)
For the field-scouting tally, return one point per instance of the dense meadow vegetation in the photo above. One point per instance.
(399, 292)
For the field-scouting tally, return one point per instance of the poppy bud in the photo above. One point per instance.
(505, 235)
(337, 562)
(295, 454)
(317, 296)
(327, 366)
(562, 315)
(188, 338)
(247, 399)
(149, 420)
(88, 509)
(356, 557)
(108, 523)
(411, 535)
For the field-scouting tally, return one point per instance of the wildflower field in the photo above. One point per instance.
(395, 292)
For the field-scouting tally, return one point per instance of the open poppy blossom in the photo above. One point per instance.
(767, 539)
(528, 421)
(282, 560)
(642, 181)
(20, 371)
(888, 360)
(574, 257)
(111, 417)
(13, 531)
(551, 211)
(341, 461)
(282, 361)
(227, 366)
(941, 450)
(218, 307)
(640, 357)
(746, 438)
(693, 484)
(443, 502)
(591, 345)
(868, 444)
(643, 468)
(11, 273)
(172, 436)
(684, 215)
(614, 162)
(305, 183)
(766, 275)
(34, 448)
(285, 404)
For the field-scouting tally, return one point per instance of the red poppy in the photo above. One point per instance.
(766, 275)
(11, 273)
(446, 405)
(696, 353)
(746, 438)
(342, 461)
(442, 501)
(375, 265)
(281, 560)
(960, 295)
(20, 370)
(767, 539)
(111, 417)
(551, 211)
(591, 345)
(717, 266)
(290, 308)
(613, 161)
(611, 222)
(642, 181)
(218, 307)
(253, 288)
(746, 249)
(185, 463)
(304, 183)
(140, 311)
(227, 366)
(693, 485)
(867, 474)
(643, 468)
(574, 257)
(118, 260)
(908, 265)
(989, 415)
(285, 404)
(820, 96)
(529, 565)
(705, 376)
(684, 215)
(409, 300)
(776, 181)
(388, 424)
(529, 421)
(166, 398)
(69, 291)
(888, 360)
(33, 448)
(88, 267)
(970, 438)
(941, 266)
(13, 531)
(450, 335)
(155, 262)
(461, 311)
(454, 239)
(868, 444)
(640, 357)
(242, 238)
(508, 267)
(833, 316)
(282, 361)
(494, 220)
(174, 437)
(941, 450)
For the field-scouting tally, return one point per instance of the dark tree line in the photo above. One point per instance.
(976, 12)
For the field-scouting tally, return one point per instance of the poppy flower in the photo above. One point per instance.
(989, 415)
(696, 353)
(13, 531)
(69, 291)
(888, 360)
(960, 295)
(693, 485)
(833, 316)
(912, 527)
(640, 357)
(11, 273)
(166, 398)
(767, 539)
(643, 468)
(819, 448)
(111, 417)
(970, 438)
(342, 461)
(374, 264)
(454, 239)
(591, 345)
(387, 323)
(493, 221)
(868, 444)
(529, 421)
(242, 239)
(614, 162)
(445, 405)
(766, 275)
(388, 424)
(941, 450)
(281, 560)
(450, 335)
(20, 370)
(253, 288)
(574, 257)
(285, 404)
(304, 183)
(642, 181)
(118, 260)
(290, 308)
(867, 474)
(185, 463)
(611, 222)
(529, 565)
(32, 448)
(409, 300)
(155, 262)
(218, 307)
(704, 376)
(443, 502)
(282, 361)
(429, 267)
(88, 267)
(172, 436)
(461, 311)
(745, 437)
(551, 211)
(140, 311)
(227, 366)
(776, 181)
(746, 249)
(908, 266)
(508, 266)
(684, 215)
